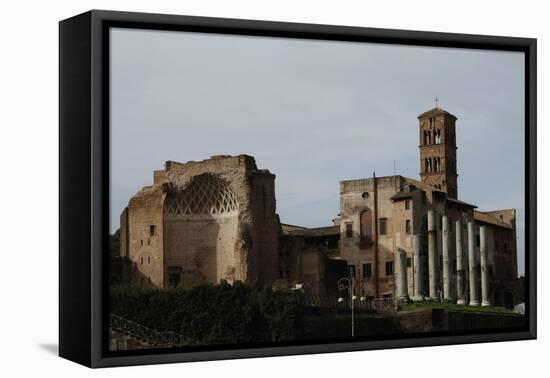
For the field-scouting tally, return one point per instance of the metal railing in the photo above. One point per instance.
(146, 334)
(332, 302)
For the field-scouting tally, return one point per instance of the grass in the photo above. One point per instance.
(426, 305)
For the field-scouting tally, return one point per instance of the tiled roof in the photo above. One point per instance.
(434, 112)
(290, 227)
(461, 202)
(316, 232)
(402, 195)
(489, 219)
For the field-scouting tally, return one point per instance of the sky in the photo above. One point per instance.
(313, 113)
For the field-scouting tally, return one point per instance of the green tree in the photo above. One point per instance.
(114, 244)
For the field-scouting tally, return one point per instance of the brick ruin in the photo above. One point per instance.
(202, 222)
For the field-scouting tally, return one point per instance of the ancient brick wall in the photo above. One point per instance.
(145, 237)
(203, 222)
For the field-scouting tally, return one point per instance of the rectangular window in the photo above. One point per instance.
(349, 230)
(152, 230)
(351, 271)
(173, 280)
(407, 205)
(389, 268)
(367, 270)
(408, 226)
(409, 262)
(148, 259)
(383, 229)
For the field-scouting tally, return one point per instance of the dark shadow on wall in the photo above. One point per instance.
(124, 271)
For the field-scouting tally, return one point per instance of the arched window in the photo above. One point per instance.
(366, 226)
(437, 164)
(437, 136)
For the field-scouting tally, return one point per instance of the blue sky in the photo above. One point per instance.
(313, 113)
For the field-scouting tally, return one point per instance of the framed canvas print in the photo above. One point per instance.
(234, 188)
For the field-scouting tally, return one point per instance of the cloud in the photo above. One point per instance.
(312, 112)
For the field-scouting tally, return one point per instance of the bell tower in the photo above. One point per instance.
(438, 150)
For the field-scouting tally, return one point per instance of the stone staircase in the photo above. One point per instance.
(125, 334)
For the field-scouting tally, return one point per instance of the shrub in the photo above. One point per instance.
(213, 314)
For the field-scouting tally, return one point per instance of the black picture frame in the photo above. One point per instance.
(84, 179)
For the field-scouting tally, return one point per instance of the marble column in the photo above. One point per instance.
(485, 300)
(432, 256)
(474, 300)
(460, 284)
(417, 267)
(446, 258)
(402, 287)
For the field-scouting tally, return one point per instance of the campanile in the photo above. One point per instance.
(438, 150)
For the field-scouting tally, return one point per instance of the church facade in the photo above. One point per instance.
(396, 237)
(407, 238)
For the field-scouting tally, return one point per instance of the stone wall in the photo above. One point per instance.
(143, 236)
(203, 222)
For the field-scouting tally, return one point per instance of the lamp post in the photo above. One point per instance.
(349, 285)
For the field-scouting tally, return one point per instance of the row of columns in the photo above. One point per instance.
(463, 265)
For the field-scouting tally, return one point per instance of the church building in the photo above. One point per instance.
(415, 239)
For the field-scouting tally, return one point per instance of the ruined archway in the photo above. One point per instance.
(201, 224)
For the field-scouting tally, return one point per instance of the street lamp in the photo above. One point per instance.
(349, 285)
